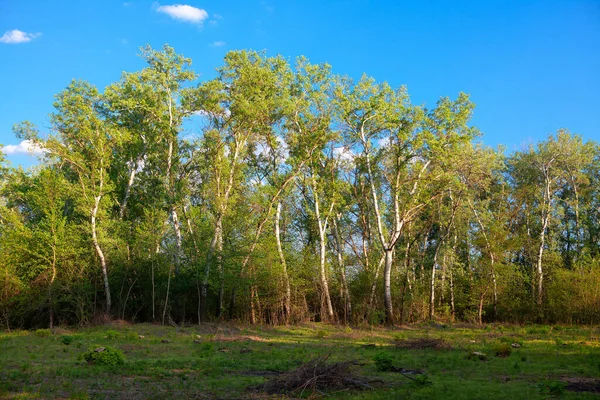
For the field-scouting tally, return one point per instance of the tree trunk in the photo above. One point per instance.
(153, 284)
(323, 277)
(132, 172)
(215, 244)
(452, 311)
(51, 286)
(167, 297)
(286, 280)
(221, 269)
(342, 267)
(177, 227)
(375, 280)
(99, 251)
(432, 283)
(387, 283)
(322, 225)
(540, 271)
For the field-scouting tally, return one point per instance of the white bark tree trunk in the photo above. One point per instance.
(98, 248)
(286, 280)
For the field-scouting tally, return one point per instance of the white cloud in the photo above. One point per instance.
(16, 36)
(127, 4)
(218, 44)
(343, 153)
(184, 13)
(384, 142)
(25, 147)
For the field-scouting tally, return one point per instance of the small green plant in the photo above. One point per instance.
(383, 362)
(43, 332)
(112, 334)
(131, 335)
(66, 340)
(106, 356)
(322, 334)
(517, 367)
(206, 346)
(502, 350)
(554, 389)
(420, 381)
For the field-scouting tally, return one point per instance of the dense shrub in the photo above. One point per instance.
(43, 332)
(106, 356)
(383, 362)
(502, 350)
(66, 339)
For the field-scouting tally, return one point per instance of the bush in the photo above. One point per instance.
(106, 356)
(502, 350)
(112, 334)
(383, 362)
(66, 340)
(206, 346)
(322, 333)
(43, 332)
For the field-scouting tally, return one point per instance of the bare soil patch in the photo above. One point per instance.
(583, 384)
(422, 343)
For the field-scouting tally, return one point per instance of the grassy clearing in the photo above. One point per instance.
(229, 362)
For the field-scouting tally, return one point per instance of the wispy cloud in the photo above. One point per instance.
(218, 44)
(185, 13)
(16, 36)
(25, 147)
(267, 7)
(215, 19)
(384, 142)
(127, 4)
(343, 153)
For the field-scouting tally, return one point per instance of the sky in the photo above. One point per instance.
(531, 67)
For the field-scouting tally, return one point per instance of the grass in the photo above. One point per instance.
(226, 362)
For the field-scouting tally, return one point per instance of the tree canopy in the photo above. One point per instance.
(280, 192)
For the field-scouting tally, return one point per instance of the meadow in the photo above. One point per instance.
(226, 361)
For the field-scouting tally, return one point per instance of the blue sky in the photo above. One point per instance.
(531, 67)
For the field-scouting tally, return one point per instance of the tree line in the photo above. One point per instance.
(280, 193)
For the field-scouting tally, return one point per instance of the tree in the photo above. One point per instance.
(82, 143)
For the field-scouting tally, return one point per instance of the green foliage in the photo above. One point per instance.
(130, 216)
(43, 332)
(104, 356)
(207, 347)
(553, 388)
(66, 339)
(112, 334)
(383, 362)
(321, 333)
(502, 350)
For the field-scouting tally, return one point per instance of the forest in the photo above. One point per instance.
(279, 193)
